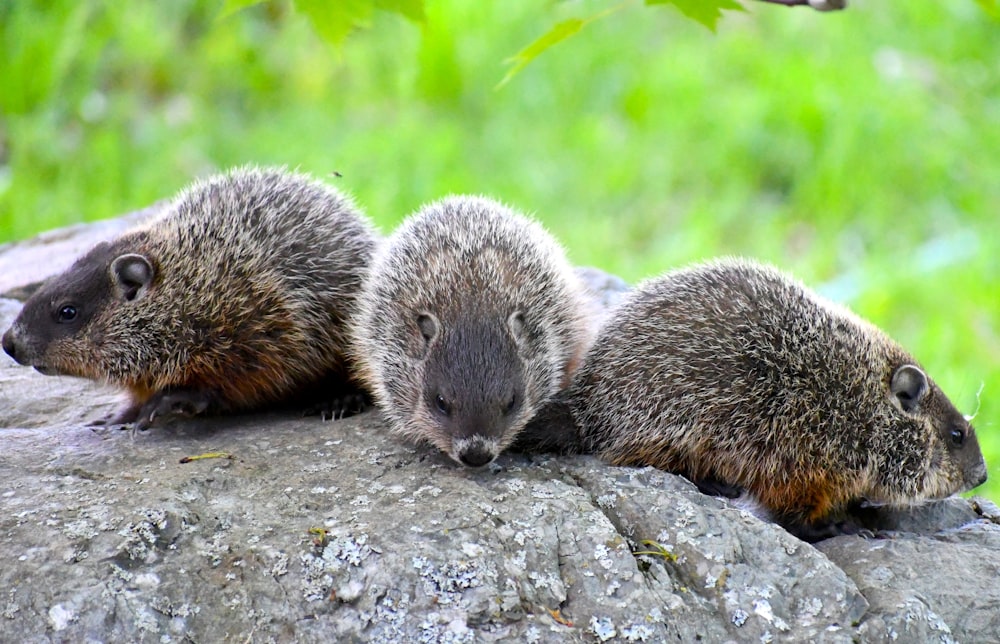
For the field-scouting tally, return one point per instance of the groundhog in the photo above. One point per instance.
(471, 318)
(235, 298)
(740, 378)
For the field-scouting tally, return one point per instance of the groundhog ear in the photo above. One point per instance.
(428, 326)
(909, 386)
(131, 274)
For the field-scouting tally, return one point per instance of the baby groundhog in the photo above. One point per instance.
(733, 374)
(236, 297)
(470, 319)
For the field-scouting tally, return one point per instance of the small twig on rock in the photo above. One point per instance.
(656, 550)
(199, 457)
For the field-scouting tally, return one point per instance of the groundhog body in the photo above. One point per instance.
(737, 376)
(236, 297)
(470, 320)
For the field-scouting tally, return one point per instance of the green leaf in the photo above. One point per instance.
(411, 9)
(557, 34)
(334, 19)
(232, 6)
(707, 12)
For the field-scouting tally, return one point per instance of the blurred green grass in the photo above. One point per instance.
(859, 150)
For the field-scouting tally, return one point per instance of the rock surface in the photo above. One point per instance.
(304, 530)
(24, 265)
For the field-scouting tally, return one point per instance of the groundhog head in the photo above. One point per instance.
(947, 458)
(63, 324)
(474, 399)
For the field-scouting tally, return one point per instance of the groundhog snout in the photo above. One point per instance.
(979, 475)
(475, 457)
(8, 344)
(475, 451)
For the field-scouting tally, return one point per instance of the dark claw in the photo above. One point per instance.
(120, 418)
(827, 529)
(172, 404)
(341, 406)
(714, 487)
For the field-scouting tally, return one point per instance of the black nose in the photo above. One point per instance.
(476, 456)
(8, 343)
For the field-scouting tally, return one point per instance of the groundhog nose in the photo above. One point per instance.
(980, 475)
(8, 344)
(476, 456)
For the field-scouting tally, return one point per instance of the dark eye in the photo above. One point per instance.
(66, 314)
(442, 405)
(957, 437)
(509, 406)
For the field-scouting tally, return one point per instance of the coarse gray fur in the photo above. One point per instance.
(733, 374)
(470, 320)
(236, 297)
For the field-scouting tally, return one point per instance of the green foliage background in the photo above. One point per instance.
(859, 150)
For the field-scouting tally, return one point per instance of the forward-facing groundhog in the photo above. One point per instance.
(737, 376)
(470, 320)
(236, 297)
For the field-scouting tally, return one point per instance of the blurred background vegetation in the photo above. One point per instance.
(859, 150)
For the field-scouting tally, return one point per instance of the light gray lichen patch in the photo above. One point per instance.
(388, 621)
(515, 486)
(607, 501)
(142, 536)
(603, 556)
(324, 568)
(937, 624)
(75, 555)
(279, 564)
(166, 607)
(763, 608)
(637, 633)
(349, 549)
(12, 607)
(602, 628)
(80, 529)
(445, 628)
(60, 617)
(810, 607)
(447, 582)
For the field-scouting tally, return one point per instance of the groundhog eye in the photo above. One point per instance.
(957, 437)
(442, 405)
(509, 406)
(66, 313)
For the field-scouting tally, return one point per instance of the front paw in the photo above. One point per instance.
(172, 404)
(120, 418)
(343, 406)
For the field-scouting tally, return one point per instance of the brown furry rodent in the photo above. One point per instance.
(470, 319)
(737, 376)
(235, 298)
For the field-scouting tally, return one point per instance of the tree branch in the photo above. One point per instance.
(818, 5)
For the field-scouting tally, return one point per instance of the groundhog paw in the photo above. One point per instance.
(171, 404)
(341, 406)
(120, 418)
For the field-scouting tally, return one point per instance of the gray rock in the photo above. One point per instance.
(930, 586)
(605, 290)
(24, 265)
(295, 529)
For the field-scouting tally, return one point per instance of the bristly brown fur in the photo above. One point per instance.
(732, 371)
(256, 273)
(471, 264)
